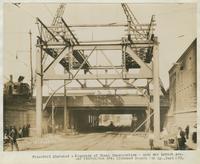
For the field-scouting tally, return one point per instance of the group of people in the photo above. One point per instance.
(11, 134)
(21, 132)
(184, 135)
(24, 131)
(180, 140)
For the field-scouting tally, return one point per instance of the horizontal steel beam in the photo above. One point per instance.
(97, 77)
(71, 33)
(106, 67)
(108, 25)
(111, 109)
(108, 46)
(103, 88)
(104, 25)
(100, 41)
(112, 46)
(47, 29)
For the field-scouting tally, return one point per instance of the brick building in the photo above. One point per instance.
(183, 90)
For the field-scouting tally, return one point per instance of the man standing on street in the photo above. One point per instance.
(134, 122)
(187, 131)
(181, 139)
(13, 138)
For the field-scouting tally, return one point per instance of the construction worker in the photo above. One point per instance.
(13, 138)
(194, 133)
(181, 140)
(151, 139)
(134, 122)
(111, 126)
(187, 130)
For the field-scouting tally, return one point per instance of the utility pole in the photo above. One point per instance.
(39, 83)
(66, 112)
(156, 91)
(31, 63)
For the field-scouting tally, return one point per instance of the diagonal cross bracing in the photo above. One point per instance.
(139, 47)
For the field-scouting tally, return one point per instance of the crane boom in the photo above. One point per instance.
(61, 30)
(133, 22)
(59, 13)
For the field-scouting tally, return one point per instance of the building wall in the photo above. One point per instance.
(183, 90)
(184, 119)
(186, 83)
(19, 111)
(16, 118)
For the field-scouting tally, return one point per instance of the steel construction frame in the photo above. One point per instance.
(49, 38)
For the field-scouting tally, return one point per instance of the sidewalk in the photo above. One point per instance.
(35, 143)
(191, 145)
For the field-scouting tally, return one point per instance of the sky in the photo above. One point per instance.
(175, 28)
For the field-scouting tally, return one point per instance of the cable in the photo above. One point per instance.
(49, 98)
(49, 11)
(20, 7)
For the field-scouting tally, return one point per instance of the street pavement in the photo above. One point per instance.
(85, 141)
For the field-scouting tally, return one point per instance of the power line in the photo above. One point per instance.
(20, 7)
(49, 11)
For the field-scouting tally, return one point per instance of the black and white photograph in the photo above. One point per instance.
(99, 76)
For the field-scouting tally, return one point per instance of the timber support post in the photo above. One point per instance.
(53, 117)
(39, 76)
(156, 91)
(66, 112)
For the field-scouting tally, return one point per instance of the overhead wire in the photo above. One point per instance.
(20, 7)
(47, 8)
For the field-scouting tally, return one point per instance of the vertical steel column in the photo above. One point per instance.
(90, 120)
(66, 113)
(148, 111)
(97, 124)
(147, 116)
(156, 91)
(106, 81)
(124, 60)
(52, 117)
(72, 121)
(39, 92)
(93, 121)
